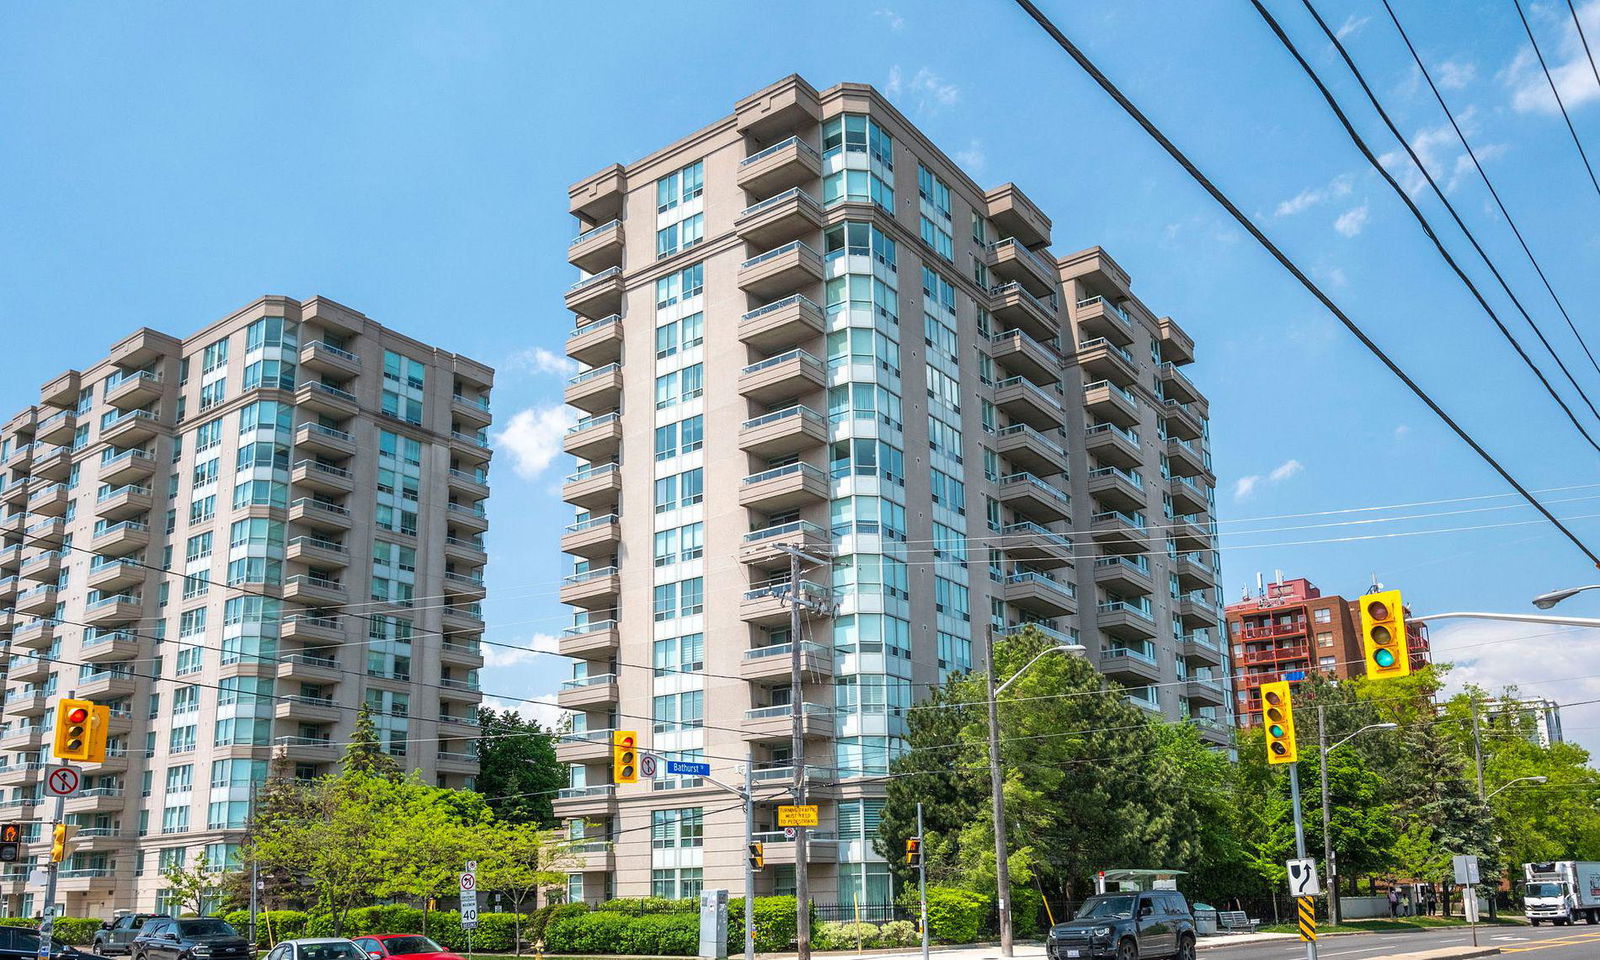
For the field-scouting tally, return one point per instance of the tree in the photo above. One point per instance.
(280, 800)
(364, 756)
(520, 859)
(428, 835)
(330, 844)
(191, 888)
(518, 771)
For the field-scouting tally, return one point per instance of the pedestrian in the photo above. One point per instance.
(1429, 899)
(1394, 902)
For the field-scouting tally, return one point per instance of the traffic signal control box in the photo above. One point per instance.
(1383, 635)
(1277, 717)
(624, 756)
(81, 730)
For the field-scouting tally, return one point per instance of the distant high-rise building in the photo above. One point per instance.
(236, 539)
(804, 326)
(1544, 714)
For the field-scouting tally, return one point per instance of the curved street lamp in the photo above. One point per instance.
(1545, 601)
(1512, 782)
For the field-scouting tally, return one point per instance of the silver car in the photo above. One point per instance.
(317, 948)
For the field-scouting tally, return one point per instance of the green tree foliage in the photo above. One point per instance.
(519, 860)
(191, 886)
(363, 755)
(518, 771)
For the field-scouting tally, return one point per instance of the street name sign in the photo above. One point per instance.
(683, 768)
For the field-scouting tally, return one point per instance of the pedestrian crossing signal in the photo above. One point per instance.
(758, 857)
(1277, 715)
(914, 852)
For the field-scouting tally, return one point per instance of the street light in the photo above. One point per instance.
(1516, 781)
(1545, 601)
(1002, 871)
(1327, 815)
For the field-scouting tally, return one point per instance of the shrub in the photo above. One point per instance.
(1027, 904)
(831, 935)
(775, 924)
(955, 915)
(662, 934)
(599, 932)
(77, 931)
(899, 933)
(643, 905)
(539, 920)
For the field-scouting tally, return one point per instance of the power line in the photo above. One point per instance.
(1472, 154)
(1557, 93)
(1249, 226)
(1422, 221)
(1578, 24)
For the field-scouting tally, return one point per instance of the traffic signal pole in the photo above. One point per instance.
(922, 881)
(1327, 817)
(1299, 835)
(48, 921)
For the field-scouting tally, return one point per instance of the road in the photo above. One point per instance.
(1534, 943)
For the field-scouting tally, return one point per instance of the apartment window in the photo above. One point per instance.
(192, 622)
(670, 829)
(680, 334)
(269, 374)
(190, 660)
(680, 385)
(685, 654)
(686, 283)
(857, 133)
(955, 654)
(271, 332)
(253, 531)
(680, 490)
(1324, 615)
(213, 393)
(180, 779)
(676, 711)
(859, 346)
(182, 739)
(198, 547)
(867, 516)
(403, 381)
(255, 570)
(260, 493)
(950, 598)
(947, 491)
(680, 186)
(681, 235)
(684, 436)
(870, 574)
(864, 401)
(682, 883)
(858, 186)
(204, 472)
(1325, 638)
(214, 356)
(207, 435)
(934, 198)
(266, 415)
(202, 509)
(399, 482)
(685, 598)
(1327, 664)
(679, 544)
(196, 584)
(949, 544)
(865, 457)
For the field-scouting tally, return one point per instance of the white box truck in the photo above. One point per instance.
(1562, 891)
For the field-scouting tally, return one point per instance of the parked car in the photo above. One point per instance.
(317, 948)
(1126, 926)
(116, 936)
(412, 946)
(21, 943)
(189, 938)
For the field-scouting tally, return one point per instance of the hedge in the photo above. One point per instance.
(955, 915)
(496, 932)
(846, 935)
(775, 924)
(76, 931)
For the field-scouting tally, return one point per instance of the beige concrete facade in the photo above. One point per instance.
(229, 545)
(863, 353)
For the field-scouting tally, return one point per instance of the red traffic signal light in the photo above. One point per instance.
(624, 756)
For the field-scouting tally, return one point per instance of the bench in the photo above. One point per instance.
(1236, 920)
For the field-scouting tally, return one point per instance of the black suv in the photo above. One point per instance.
(1126, 926)
(191, 938)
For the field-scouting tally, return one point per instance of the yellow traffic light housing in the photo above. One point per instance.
(758, 857)
(1383, 635)
(624, 756)
(61, 841)
(81, 730)
(1277, 716)
(914, 851)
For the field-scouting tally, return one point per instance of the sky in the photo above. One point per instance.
(163, 165)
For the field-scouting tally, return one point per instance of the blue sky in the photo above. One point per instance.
(162, 165)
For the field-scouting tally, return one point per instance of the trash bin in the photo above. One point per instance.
(1205, 920)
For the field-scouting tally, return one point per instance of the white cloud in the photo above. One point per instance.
(1568, 63)
(972, 158)
(1339, 186)
(1401, 432)
(1541, 661)
(542, 710)
(1441, 153)
(1351, 222)
(497, 655)
(894, 20)
(926, 89)
(1246, 486)
(540, 360)
(892, 86)
(1351, 25)
(1455, 76)
(533, 437)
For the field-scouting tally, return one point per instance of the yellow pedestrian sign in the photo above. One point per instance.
(798, 816)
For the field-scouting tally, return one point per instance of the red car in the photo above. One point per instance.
(412, 946)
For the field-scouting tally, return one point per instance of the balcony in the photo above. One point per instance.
(322, 357)
(588, 693)
(581, 802)
(96, 800)
(31, 668)
(312, 590)
(15, 494)
(1036, 544)
(119, 539)
(1114, 445)
(51, 463)
(118, 609)
(776, 662)
(1115, 528)
(1181, 420)
(468, 550)
(783, 432)
(309, 668)
(1176, 344)
(597, 342)
(1134, 666)
(471, 484)
(782, 323)
(594, 438)
(313, 628)
(473, 410)
(26, 702)
(462, 617)
(129, 466)
(303, 749)
(1175, 385)
(783, 377)
(594, 538)
(780, 849)
(1013, 213)
(57, 428)
(122, 503)
(316, 438)
(1194, 573)
(1012, 305)
(8, 593)
(62, 391)
(328, 400)
(1191, 533)
(781, 271)
(35, 634)
(765, 548)
(1199, 646)
(1027, 493)
(599, 197)
(1204, 688)
(1197, 612)
(42, 567)
(1129, 576)
(1030, 450)
(108, 685)
(592, 589)
(49, 501)
(1022, 354)
(596, 391)
(112, 576)
(1184, 458)
(321, 477)
(1040, 595)
(589, 641)
(1099, 317)
(1117, 489)
(319, 514)
(108, 647)
(21, 736)
(36, 602)
(471, 447)
(131, 428)
(129, 391)
(791, 215)
(592, 855)
(462, 654)
(1188, 496)
(303, 708)
(594, 487)
(1010, 260)
(598, 248)
(777, 723)
(469, 517)
(767, 603)
(1024, 402)
(772, 111)
(1103, 360)
(1111, 403)
(598, 295)
(784, 488)
(1125, 621)
(584, 746)
(787, 163)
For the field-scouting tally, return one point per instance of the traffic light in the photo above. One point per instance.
(758, 857)
(1277, 715)
(81, 729)
(61, 841)
(914, 852)
(624, 756)
(1383, 635)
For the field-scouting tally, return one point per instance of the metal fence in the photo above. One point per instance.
(865, 912)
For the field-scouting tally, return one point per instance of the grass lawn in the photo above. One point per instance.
(1387, 926)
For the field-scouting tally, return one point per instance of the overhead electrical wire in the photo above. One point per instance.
(1557, 93)
(1578, 25)
(1283, 259)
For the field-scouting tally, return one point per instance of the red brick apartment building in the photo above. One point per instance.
(1290, 626)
